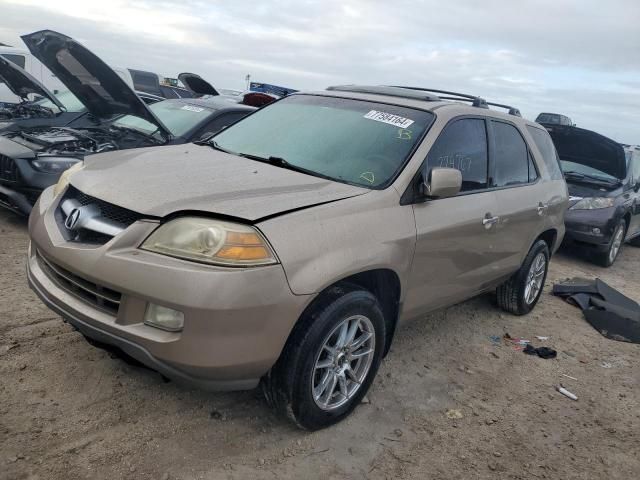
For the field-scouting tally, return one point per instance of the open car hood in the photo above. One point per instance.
(589, 148)
(92, 81)
(22, 83)
(197, 84)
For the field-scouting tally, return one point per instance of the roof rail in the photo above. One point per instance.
(463, 97)
(512, 110)
(386, 90)
(460, 97)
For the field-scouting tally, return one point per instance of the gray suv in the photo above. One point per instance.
(285, 250)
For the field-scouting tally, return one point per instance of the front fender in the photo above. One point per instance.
(322, 245)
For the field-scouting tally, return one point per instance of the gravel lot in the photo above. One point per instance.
(446, 403)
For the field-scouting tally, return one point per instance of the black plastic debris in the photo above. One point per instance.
(607, 310)
(542, 352)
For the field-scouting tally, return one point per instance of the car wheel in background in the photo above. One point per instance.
(521, 292)
(330, 359)
(608, 257)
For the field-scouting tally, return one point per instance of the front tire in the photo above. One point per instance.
(521, 292)
(608, 257)
(330, 359)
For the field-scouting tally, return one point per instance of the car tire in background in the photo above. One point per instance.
(608, 257)
(336, 347)
(521, 292)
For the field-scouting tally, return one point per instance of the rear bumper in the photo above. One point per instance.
(236, 321)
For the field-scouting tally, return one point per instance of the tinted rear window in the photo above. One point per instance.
(543, 141)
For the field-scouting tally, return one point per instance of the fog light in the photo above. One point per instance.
(595, 231)
(163, 318)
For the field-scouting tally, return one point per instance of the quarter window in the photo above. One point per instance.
(510, 158)
(545, 145)
(462, 145)
(17, 59)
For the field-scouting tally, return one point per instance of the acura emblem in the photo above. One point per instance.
(72, 220)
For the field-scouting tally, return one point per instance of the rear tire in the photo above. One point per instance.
(521, 292)
(294, 386)
(608, 257)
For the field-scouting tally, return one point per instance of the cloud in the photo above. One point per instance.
(579, 57)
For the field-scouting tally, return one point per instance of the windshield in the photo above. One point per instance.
(352, 141)
(568, 166)
(66, 98)
(179, 117)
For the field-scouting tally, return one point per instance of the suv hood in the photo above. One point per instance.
(162, 180)
(22, 83)
(102, 91)
(589, 148)
(197, 84)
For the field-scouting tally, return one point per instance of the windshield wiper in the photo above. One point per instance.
(282, 163)
(138, 132)
(591, 178)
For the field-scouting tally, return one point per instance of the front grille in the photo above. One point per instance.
(110, 219)
(110, 211)
(103, 298)
(8, 170)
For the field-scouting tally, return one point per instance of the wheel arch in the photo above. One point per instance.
(383, 283)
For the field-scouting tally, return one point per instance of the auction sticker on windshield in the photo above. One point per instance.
(389, 118)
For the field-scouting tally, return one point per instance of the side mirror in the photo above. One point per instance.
(443, 182)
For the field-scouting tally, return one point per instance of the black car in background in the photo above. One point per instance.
(554, 119)
(32, 159)
(38, 106)
(603, 178)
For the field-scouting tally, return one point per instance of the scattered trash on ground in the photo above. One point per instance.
(566, 392)
(496, 340)
(614, 315)
(453, 414)
(542, 339)
(542, 352)
(569, 376)
(606, 365)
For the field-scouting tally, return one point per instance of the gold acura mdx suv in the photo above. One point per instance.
(286, 249)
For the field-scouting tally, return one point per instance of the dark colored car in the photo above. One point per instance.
(604, 183)
(48, 108)
(554, 119)
(31, 159)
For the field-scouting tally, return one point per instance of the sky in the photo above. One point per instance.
(576, 57)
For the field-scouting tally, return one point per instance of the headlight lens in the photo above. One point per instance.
(211, 241)
(64, 178)
(593, 203)
(53, 164)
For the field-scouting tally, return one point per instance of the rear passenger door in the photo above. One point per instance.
(454, 246)
(522, 202)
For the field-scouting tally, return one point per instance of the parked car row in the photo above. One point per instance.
(284, 249)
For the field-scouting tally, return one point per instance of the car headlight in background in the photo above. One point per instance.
(64, 178)
(211, 241)
(593, 203)
(53, 164)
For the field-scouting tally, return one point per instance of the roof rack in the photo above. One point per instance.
(386, 90)
(463, 97)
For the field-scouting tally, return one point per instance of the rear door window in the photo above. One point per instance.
(545, 145)
(510, 156)
(463, 145)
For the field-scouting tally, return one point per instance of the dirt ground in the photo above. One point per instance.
(446, 404)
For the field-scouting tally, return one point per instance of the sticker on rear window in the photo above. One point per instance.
(389, 118)
(191, 108)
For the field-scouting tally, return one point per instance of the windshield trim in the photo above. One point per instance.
(401, 166)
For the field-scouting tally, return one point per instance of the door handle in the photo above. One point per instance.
(542, 208)
(489, 220)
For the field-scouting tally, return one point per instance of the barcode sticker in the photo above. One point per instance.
(391, 119)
